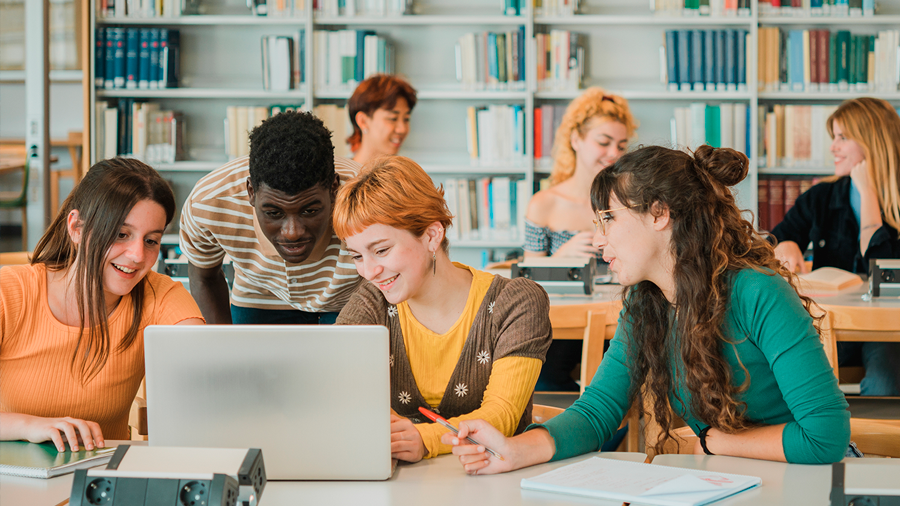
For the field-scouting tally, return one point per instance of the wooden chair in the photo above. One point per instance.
(13, 159)
(137, 417)
(73, 143)
(541, 413)
(593, 323)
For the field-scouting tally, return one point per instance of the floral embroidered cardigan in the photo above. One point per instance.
(512, 321)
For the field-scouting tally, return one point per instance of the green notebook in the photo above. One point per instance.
(42, 460)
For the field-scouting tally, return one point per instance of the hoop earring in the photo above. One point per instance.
(433, 263)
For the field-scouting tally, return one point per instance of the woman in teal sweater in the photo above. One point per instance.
(711, 327)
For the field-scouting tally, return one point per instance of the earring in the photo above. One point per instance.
(365, 130)
(433, 263)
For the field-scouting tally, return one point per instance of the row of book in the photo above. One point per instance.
(488, 60)
(560, 60)
(546, 121)
(239, 121)
(277, 8)
(715, 8)
(777, 195)
(146, 8)
(137, 58)
(283, 61)
(796, 136)
(64, 43)
(724, 125)
(487, 208)
(853, 8)
(821, 60)
(346, 57)
(556, 7)
(495, 133)
(705, 60)
(371, 8)
(139, 129)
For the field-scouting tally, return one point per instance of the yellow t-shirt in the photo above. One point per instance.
(433, 358)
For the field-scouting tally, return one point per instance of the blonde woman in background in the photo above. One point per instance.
(593, 134)
(854, 217)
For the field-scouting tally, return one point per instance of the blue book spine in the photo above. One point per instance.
(720, 60)
(109, 80)
(868, 7)
(672, 58)
(730, 57)
(697, 60)
(153, 78)
(684, 67)
(741, 54)
(131, 57)
(360, 71)
(173, 60)
(795, 59)
(302, 59)
(99, 57)
(163, 57)
(709, 59)
(520, 33)
(815, 4)
(119, 58)
(492, 58)
(144, 59)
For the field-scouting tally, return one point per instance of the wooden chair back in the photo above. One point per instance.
(540, 413)
(15, 258)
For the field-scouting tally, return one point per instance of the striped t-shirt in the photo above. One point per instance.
(217, 219)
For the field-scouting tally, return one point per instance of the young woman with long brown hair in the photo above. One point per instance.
(711, 328)
(853, 217)
(72, 322)
(464, 343)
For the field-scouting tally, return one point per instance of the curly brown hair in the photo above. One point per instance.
(710, 241)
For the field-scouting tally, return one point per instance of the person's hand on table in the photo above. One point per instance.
(38, 429)
(790, 255)
(579, 246)
(474, 458)
(406, 442)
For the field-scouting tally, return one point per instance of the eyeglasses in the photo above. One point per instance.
(600, 223)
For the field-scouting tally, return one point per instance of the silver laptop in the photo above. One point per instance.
(314, 398)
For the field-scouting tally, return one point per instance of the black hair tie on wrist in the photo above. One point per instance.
(702, 436)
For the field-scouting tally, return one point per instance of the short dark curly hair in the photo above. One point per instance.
(291, 152)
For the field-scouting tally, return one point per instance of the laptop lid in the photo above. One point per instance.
(314, 398)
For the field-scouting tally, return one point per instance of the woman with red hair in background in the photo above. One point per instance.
(379, 112)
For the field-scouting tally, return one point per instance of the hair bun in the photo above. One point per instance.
(726, 165)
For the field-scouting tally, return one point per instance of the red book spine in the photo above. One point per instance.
(538, 134)
(763, 199)
(776, 201)
(824, 43)
(791, 192)
(813, 56)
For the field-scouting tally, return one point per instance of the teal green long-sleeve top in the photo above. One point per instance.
(790, 379)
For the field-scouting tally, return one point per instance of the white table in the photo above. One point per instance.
(436, 482)
(787, 484)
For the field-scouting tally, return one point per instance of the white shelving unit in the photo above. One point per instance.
(221, 66)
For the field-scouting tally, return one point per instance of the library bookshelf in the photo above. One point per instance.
(221, 66)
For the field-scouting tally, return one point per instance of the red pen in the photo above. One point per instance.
(436, 418)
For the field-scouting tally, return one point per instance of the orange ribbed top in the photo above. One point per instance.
(36, 351)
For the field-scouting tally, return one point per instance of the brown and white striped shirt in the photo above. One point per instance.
(217, 219)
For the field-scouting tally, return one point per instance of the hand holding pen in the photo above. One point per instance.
(442, 421)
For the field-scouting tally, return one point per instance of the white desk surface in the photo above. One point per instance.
(787, 484)
(437, 482)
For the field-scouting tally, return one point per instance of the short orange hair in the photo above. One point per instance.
(393, 191)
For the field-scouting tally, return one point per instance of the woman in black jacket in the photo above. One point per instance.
(852, 217)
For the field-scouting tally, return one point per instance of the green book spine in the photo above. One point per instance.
(832, 58)
(348, 68)
(843, 50)
(852, 72)
(692, 4)
(713, 126)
